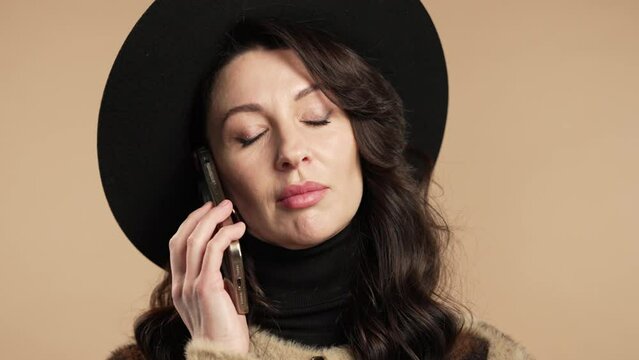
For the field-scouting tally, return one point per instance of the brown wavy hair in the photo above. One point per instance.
(402, 310)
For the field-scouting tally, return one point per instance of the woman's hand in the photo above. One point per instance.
(198, 289)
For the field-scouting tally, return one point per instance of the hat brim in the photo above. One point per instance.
(143, 140)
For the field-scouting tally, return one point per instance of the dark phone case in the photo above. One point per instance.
(232, 265)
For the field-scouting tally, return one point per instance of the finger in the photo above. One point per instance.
(190, 222)
(177, 243)
(212, 260)
(197, 240)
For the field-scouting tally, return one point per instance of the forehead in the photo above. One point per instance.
(258, 75)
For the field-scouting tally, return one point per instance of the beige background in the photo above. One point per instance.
(538, 175)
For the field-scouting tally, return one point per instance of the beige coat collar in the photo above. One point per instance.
(478, 341)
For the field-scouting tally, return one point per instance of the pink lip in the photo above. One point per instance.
(303, 195)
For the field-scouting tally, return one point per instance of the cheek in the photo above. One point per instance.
(242, 184)
(344, 149)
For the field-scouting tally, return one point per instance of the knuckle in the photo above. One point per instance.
(226, 233)
(172, 243)
(193, 215)
(190, 240)
(223, 231)
(176, 292)
(187, 290)
(214, 247)
(211, 244)
(200, 288)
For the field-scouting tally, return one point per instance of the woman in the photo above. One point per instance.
(350, 269)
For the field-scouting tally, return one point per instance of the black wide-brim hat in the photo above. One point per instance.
(144, 149)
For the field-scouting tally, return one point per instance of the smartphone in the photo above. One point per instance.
(232, 264)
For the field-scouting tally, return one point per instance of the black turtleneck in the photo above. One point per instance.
(309, 287)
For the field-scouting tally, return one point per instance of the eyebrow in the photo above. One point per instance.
(252, 107)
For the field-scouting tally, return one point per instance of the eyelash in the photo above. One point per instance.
(322, 122)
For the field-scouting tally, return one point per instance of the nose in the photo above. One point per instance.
(293, 150)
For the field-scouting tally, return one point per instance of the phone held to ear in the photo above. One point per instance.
(232, 265)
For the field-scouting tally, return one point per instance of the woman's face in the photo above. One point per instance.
(277, 105)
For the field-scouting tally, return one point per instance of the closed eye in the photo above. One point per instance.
(317, 122)
(321, 122)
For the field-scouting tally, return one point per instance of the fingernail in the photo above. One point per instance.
(225, 202)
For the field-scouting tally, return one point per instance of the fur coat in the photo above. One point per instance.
(477, 341)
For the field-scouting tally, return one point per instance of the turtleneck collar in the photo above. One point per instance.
(309, 287)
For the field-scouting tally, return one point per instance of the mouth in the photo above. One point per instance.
(298, 196)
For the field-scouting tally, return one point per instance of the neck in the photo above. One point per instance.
(309, 287)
